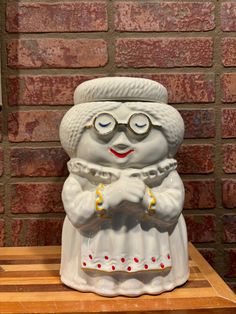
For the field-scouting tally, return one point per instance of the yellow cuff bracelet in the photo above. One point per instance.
(152, 202)
(99, 199)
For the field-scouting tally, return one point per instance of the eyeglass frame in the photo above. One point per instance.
(127, 124)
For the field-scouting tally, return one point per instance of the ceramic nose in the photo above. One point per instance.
(121, 141)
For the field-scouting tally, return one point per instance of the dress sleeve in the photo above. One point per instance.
(79, 205)
(169, 199)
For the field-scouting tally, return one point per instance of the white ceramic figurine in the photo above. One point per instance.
(124, 233)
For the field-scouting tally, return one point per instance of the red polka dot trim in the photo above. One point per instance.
(123, 260)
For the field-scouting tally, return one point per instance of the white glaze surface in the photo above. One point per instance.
(120, 88)
(130, 242)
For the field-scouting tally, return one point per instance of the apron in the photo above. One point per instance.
(128, 240)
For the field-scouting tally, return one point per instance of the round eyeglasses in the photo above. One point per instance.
(138, 123)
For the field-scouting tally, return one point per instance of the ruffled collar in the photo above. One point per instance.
(151, 175)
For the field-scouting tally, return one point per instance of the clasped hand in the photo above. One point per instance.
(124, 189)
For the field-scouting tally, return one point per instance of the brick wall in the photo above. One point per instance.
(49, 47)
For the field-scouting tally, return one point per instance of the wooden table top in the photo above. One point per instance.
(30, 283)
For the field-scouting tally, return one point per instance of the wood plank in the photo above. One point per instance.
(56, 280)
(30, 258)
(111, 305)
(196, 284)
(47, 270)
(34, 288)
(30, 251)
(196, 276)
(18, 261)
(25, 274)
(73, 295)
(215, 280)
(192, 263)
(195, 270)
(30, 267)
(30, 284)
(41, 267)
(30, 280)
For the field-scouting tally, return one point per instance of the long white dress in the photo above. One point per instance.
(127, 252)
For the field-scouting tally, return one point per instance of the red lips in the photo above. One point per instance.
(120, 155)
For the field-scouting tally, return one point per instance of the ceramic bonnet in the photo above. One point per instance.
(124, 233)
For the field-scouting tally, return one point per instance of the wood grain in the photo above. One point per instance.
(30, 283)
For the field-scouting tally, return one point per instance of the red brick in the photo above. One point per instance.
(229, 193)
(229, 228)
(56, 17)
(195, 158)
(199, 194)
(228, 85)
(230, 262)
(159, 17)
(44, 89)
(56, 53)
(31, 126)
(228, 16)
(199, 123)
(184, 87)
(36, 198)
(164, 52)
(229, 52)
(229, 151)
(38, 162)
(209, 254)
(58, 90)
(36, 232)
(1, 162)
(187, 87)
(228, 120)
(201, 228)
(2, 232)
